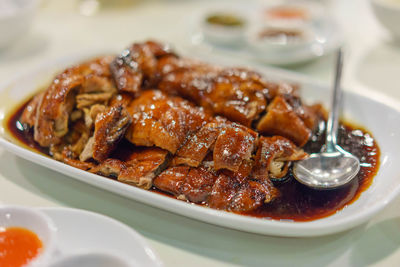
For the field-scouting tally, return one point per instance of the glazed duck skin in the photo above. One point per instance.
(163, 121)
(58, 100)
(151, 119)
(238, 94)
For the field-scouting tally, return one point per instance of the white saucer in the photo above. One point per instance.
(80, 231)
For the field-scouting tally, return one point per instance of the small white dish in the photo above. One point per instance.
(16, 18)
(376, 113)
(272, 39)
(388, 13)
(92, 239)
(38, 223)
(225, 35)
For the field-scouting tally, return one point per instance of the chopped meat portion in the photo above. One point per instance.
(237, 94)
(171, 180)
(135, 64)
(138, 167)
(28, 116)
(109, 129)
(282, 120)
(110, 167)
(143, 165)
(273, 157)
(198, 145)
(234, 145)
(216, 190)
(198, 184)
(58, 100)
(252, 194)
(67, 156)
(223, 191)
(86, 166)
(163, 121)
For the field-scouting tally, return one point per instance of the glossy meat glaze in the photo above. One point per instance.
(205, 134)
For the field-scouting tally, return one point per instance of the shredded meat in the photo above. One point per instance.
(58, 101)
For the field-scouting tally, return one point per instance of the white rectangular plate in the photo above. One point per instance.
(379, 115)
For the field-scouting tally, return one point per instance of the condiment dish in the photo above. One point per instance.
(217, 29)
(38, 223)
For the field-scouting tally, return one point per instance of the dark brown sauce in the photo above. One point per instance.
(297, 202)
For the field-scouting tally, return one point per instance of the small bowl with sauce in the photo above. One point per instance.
(292, 14)
(272, 39)
(224, 28)
(27, 237)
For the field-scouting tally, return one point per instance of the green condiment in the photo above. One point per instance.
(225, 20)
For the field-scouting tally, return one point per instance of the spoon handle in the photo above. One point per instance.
(333, 120)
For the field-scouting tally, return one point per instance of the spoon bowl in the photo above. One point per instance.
(327, 170)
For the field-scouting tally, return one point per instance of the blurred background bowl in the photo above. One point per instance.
(16, 18)
(388, 13)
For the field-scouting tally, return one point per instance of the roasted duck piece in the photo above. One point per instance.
(59, 100)
(187, 132)
(163, 121)
(237, 94)
(273, 157)
(138, 166)
(137, 65)
(216, 190)
(154, 120)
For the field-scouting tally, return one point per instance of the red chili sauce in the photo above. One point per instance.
(18, 246)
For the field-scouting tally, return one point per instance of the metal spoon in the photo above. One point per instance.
(333, 166)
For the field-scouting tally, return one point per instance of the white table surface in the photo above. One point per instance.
(372, 63)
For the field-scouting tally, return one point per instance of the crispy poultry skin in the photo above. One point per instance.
(110, 128)
(137, 65)
(149, 118)
(273, 157)
(163, 121)
(238, 94)
(282, 120)
(58, 101)
(216, 190)
(138, 167)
